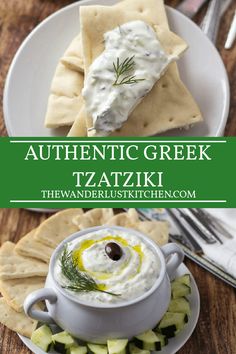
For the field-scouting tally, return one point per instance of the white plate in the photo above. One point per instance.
(43, 210)
(174, 343)
(28, 82)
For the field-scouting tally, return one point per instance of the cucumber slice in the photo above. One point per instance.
(97, 348)
(169, 331)
(42, 337)
(179, 305)
(148, 336)
(135, 350)
(76, 349)
(172, 322)
(179, 290)
(185, 279)
(62, 341)
(148, 341)
(163, 339)
(117, 346)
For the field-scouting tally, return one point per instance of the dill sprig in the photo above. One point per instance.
(79, 281)
(125, 68)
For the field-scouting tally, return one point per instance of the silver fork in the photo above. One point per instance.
(186, 232)
(198, 227)
(210, 23)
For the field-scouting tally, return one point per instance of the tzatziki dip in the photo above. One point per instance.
(117, 80)
(121, 265)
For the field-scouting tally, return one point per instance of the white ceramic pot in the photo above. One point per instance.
(97, 323)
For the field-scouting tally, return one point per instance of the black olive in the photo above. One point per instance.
(113, 250)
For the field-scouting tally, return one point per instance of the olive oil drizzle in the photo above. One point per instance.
(77, 256)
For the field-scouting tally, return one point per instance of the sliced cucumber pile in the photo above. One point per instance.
(170, 325)
(179, 310)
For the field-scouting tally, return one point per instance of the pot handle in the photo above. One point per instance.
(175, 257)
(35, 297)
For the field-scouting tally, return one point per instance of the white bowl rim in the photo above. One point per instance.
(124, 303)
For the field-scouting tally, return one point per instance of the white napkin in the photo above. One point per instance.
(224, 255)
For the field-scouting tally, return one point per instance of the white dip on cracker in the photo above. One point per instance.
(119, 262)
(132, 62)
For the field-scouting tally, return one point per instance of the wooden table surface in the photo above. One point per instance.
(215, 332)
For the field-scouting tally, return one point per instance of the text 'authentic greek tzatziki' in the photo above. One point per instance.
(107, 266)
(128, 68)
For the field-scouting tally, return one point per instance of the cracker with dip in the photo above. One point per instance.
(24, 266)
(168, 105)
(130, 29)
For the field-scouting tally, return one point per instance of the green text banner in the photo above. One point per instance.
(111, 172)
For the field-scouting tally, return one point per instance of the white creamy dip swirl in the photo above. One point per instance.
(109, 104)
(130, 276)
